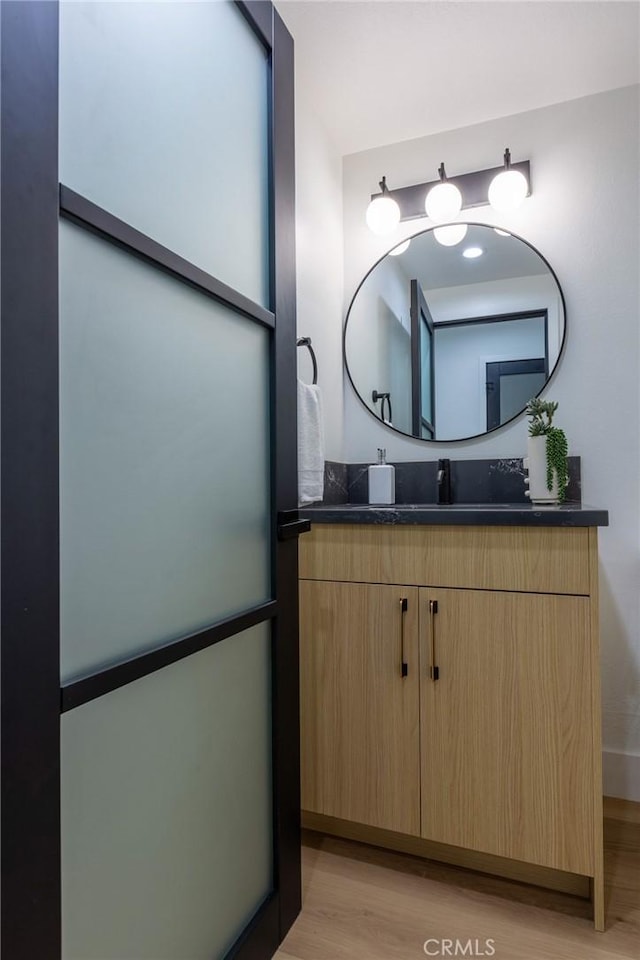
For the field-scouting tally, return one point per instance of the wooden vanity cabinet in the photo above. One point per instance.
(491, 741)
(506, 740)
(360, 716)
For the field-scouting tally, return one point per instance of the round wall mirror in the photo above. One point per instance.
(450, 342)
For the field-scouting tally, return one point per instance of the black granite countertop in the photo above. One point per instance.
(472, 514)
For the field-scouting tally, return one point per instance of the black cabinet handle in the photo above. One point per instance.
(434, 671)
(404, 666)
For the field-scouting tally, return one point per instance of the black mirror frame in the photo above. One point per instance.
(475, 436)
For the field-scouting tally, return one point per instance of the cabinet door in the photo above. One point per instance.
(506, 735)
(360, 726)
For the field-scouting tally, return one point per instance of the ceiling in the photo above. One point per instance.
(382, 71)
(438, 266)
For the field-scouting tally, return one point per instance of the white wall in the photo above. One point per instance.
(583, 217)
(502, 296)
(462, 354)
(378, 340)
(319, 250)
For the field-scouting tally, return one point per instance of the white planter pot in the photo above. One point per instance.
(536, 464)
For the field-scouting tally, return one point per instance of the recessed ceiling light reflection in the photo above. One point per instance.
(399, 249)
(502, 233)
(472, 252)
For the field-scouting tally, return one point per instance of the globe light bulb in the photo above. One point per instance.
(383, 213)
(451, 235)
(508, 190)
(443, 202)
(400, 248)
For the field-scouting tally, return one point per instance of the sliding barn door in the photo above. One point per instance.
(149, 660)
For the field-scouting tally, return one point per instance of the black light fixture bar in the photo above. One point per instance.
(474, 188)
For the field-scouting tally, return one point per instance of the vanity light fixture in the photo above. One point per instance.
(383, 213)
(400, 248)
(474, 189)
(508, 189)
(444, 201)
(472, 253)
(450, 235)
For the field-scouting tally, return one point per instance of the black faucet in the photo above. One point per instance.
(444, 482)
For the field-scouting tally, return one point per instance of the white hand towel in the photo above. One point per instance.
(310, 444)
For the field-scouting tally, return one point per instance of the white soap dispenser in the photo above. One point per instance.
(382, 480)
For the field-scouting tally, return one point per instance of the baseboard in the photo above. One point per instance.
(616, 809)
(548, 877)
(621, 775)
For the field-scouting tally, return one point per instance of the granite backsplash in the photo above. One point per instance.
(472, 481)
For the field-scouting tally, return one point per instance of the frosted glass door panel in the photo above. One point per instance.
(146, 134)
(164, 452)
(166, 808)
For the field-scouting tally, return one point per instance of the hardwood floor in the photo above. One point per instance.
(363, 903)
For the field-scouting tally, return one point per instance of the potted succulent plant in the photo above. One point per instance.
(547, 449)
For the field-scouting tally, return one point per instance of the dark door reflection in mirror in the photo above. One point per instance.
(459, 343)
(510, 385)
(422, 365)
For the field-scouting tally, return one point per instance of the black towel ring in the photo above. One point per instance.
(383, 398)
(306, 342)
